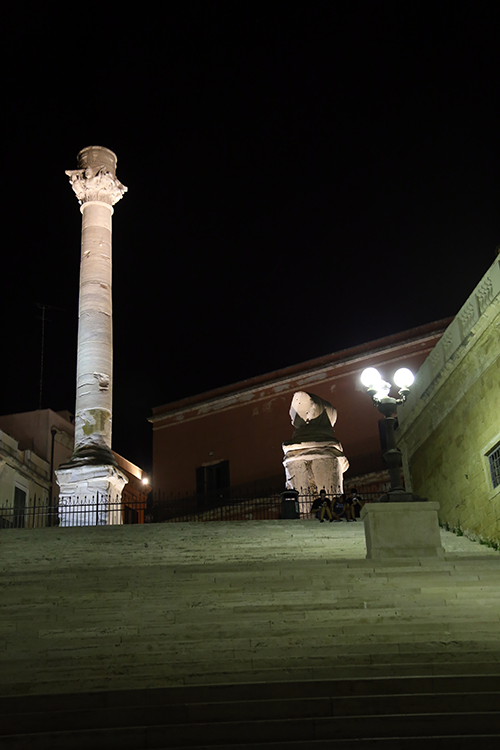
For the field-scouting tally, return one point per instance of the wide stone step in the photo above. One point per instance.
(73, 719)
(453, 742)
(284, 714)
(288, 731)
(148, 662)
(489, 742)
(112, 673)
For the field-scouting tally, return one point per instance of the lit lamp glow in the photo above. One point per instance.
(370, 377)
(404, 378)
(376, 386)
(379, 391)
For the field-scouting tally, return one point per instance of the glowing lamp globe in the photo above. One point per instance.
(404, 377)
(371, 377)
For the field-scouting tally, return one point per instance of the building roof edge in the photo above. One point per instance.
(419, 333)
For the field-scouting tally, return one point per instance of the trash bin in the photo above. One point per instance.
(290, 504)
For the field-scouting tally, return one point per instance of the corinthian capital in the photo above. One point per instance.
(96, 184)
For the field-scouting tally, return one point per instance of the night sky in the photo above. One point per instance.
(303, 177)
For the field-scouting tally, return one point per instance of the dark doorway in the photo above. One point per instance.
(19, 507)
(213, 477)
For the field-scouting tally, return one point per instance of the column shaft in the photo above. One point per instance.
(94, 392)
(90, 482)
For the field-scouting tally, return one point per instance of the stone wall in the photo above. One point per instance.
(452, 420)
(21, 471)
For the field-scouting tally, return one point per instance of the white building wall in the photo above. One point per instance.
(24, 485)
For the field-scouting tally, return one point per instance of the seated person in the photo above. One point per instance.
(342, 508)
(322, 505)
(356, 503)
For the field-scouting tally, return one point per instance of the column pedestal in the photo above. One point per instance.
(315, 465)
(90, 495)
(401, 529)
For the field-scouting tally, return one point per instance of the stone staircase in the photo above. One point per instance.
(452, 712)
(269, 634)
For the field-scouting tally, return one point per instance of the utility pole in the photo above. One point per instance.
(43, 307)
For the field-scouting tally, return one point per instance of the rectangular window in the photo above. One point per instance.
(494, 462)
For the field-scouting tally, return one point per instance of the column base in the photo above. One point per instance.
(401, 529)
(315, 465)
(90, 495)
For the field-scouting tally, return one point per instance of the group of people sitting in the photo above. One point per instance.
(346, 507)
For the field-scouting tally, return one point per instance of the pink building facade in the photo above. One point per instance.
(233, 436)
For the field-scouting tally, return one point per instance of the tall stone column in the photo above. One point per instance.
(91, 483)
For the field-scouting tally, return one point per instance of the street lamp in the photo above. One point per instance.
(379, 391)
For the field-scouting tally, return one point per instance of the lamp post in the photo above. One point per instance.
(379, 391)
(399, 523)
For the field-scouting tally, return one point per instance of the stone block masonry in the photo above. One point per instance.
(452, 422)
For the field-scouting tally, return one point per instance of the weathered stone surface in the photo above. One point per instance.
(89, 494)
(95, 180)
(314, 458)
(141, 606)
(97, 189)
(402, 530)
(315, 466)
(450, 422)
(312, 417)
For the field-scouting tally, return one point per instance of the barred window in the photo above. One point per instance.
(494, 461)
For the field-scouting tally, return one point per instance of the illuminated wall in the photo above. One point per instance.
(24, 485)
(449, 430)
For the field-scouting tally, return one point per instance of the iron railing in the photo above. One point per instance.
(105, 510)
(220, 508)
(100, 509)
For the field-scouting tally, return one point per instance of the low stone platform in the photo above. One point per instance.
(138, 607)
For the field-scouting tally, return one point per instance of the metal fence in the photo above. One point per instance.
(100, 509)
(269, 507)
(105, 510)
(25, 513)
